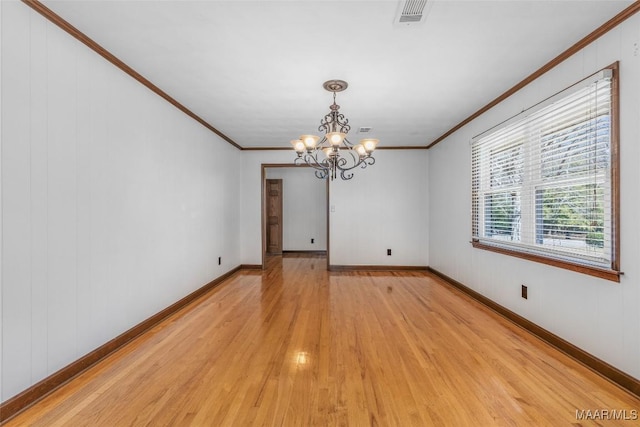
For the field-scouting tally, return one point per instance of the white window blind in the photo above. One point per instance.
(542, 181)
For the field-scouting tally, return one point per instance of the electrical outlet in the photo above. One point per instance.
(524, 292)
(388, 252)
(219, 260)
(312, 240)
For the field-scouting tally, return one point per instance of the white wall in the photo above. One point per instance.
(599, 316)
(383, 206)
(114, 203)
(1, 239)
(304, 209)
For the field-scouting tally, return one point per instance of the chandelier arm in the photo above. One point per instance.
(367, 161)
(346, 164)
(322, 174)
(340, 162)
(348, 143)
(312, 160)
(363, 163)
(346, 175)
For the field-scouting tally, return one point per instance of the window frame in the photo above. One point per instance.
(613, 273)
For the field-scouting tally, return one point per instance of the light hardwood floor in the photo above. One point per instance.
(299, 346)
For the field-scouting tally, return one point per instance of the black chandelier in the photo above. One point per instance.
(334, 152)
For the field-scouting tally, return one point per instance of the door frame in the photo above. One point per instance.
(263, 187)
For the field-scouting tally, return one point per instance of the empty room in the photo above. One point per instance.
(319, 212)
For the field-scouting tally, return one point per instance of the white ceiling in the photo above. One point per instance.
(254, 69)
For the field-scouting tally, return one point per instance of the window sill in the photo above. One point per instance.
(602, 273)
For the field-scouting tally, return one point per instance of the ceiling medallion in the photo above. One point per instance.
(333, 152)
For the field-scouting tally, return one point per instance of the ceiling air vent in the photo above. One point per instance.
(364, 129)
(411, 12)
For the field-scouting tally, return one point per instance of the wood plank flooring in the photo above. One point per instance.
(296, 345)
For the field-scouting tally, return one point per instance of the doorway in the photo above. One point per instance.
(295, 212)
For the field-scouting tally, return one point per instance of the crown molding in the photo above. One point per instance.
(93, 45)
(594, 35)
(399, 147)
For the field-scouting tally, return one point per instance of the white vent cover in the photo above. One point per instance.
(364, 129)
(411, 12)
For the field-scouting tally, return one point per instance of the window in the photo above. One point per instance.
(544, 183)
